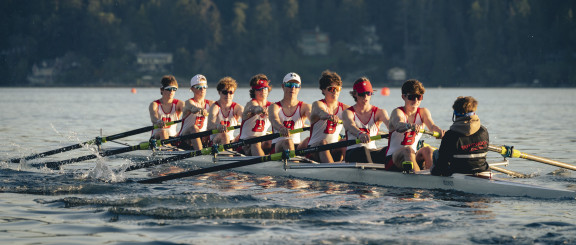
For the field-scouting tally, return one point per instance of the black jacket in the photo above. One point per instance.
(463, 148)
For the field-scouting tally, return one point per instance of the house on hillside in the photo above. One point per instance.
(368, 43)
(314, 42)
(154, 62)
(42, 74)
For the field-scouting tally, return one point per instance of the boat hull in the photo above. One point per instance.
(378, 177)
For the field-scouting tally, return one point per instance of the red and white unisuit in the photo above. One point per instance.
(197, 119)
(400, 140)
(256, 125)
(229, 120)
(169, 116)
(291, 122)
(326, 130)
(371, 127)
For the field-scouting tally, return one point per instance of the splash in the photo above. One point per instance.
(103, 172)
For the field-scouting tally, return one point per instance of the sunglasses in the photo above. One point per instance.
(365, 94)
(292, 85)
(200, 87)
(414, 96)
(333, 89)
(170, 89)
(260, 89)
(226, 92)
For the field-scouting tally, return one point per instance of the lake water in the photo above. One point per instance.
(86, 203)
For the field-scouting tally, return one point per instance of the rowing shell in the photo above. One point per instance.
(369, 174)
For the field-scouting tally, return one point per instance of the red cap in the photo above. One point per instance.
(260, 84)
(362, 87)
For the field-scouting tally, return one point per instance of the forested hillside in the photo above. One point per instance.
(441, 42)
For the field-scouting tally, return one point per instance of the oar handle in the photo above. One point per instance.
(434, 134)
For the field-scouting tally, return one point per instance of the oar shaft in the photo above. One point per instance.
(48, 153)
(103, 140)
(509, 172)
(517, 154)
(57, 164)
(206, 170)
(142, 146)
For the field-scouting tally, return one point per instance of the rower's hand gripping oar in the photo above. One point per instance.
(141, 146)
(271, 157)
(97, 140)
(213, 150)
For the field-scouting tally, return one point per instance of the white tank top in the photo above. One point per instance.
(399, 140)
(196, 119)
(255, 126)
(169, 116)
(228, 120)
(370, 127)
(326, 130)
(291, 122)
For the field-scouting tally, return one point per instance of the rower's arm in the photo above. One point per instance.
(191, 108)
(252, 108)
(382, 116)
(213, 116)
(350, 126)
(306, 111)
(238, 111)
(180, 108)
(396, 121)
(319, 112)
(273, 111)
(153, 110)
(427, 119)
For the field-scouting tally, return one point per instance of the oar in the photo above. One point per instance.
(510, 152)
(271, 157)
(98, 140)
(141, 146)
(208, 151)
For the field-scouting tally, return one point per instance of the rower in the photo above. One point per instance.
(195, 113)
(464, 147)
(406, 124)
(224, 113)
(325, 117)
(166, 109)
(255, 120)
(288, 114)
(361, 121)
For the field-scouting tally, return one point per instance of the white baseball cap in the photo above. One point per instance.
(292, 76)
(199, 78)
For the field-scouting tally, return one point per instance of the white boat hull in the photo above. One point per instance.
(456, 182)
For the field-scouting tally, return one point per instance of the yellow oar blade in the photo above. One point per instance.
(518, 154)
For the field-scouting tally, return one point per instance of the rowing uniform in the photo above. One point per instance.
(291, 122)
(229, 120)
(398, 140)
(256, 125)
(325, 129)
(370, 127)
(197, 119)
(365, 153)
(169, 116)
